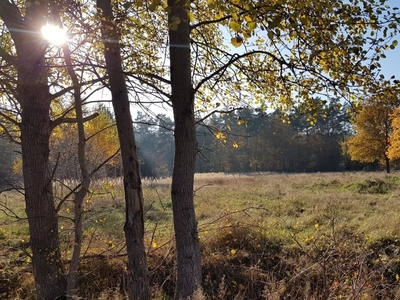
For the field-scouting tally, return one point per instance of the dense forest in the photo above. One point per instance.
(253, 140)
(246, 140)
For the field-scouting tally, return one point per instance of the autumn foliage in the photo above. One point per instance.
(371, 141)
(102, 144)
(376, 127)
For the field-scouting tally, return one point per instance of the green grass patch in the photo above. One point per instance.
(377, 186)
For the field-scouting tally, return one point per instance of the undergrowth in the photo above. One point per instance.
(321, 236)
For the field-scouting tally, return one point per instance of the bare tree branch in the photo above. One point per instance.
(63, 120)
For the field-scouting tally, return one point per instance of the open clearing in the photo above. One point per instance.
(264, 236)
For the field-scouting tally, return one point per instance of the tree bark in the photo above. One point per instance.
(134, 224)
(40, 210)
(387, 161)
(34, 97)
(187, 242)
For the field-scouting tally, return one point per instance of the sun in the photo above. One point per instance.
(54, 34)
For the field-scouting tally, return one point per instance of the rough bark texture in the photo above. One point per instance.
(187, 242)
(134, 224)
(34, 98)
(42, 216)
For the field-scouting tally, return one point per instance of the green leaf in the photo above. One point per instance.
(305, 21)
(127, 5)
(173, 25)
(385, 32)
(275, 22)
(235, 26)
(154, 4)
(252, 25)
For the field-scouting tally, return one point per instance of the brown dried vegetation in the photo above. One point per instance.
(263, 236)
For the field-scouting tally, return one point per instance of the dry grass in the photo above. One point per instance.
(263, 236)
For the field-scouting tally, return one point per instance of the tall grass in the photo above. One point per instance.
(263, 236)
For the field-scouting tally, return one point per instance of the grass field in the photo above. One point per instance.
(263, 236)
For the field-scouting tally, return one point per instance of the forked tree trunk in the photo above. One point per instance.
(187, 242)
(134, 223)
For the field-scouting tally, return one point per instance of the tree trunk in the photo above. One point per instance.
(34, 97)
(187, 242)
(72, 277)
(387, 160)
(134, 223)
(40, 209)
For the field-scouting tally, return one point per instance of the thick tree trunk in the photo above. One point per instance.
(134, 224)
(187, 242)
(40, 209)
(34, 97)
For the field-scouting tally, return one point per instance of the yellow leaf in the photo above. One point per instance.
(153, 245)
(220, 135)
(248, 6)
(233, 251)
(237, 41)
(191, 16)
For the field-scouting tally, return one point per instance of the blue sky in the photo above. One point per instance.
(391, 65)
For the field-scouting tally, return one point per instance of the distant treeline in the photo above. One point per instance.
(246, 140)
(250, 140)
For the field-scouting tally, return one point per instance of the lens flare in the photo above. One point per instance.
(54, 34)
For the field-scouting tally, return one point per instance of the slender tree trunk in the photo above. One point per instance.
(187, 242)
(34, 97)
(134, 223)
(387, 160)
(72, 277)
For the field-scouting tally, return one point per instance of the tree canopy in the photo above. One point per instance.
(373, 129)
